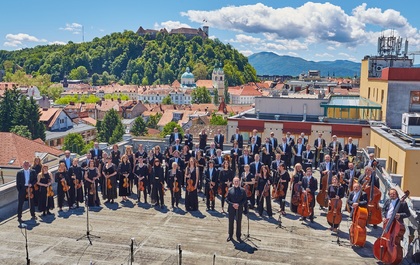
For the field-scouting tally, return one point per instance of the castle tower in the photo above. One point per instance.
(218, 78)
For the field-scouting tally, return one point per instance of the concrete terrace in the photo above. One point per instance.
(157, 233)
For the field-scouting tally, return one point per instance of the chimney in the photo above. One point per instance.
(119, 100)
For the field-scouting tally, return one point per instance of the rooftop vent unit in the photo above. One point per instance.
(411, 123)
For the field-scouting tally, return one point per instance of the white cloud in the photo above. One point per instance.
(242, 38)
(387, 19)
(169, 25)
(325, 54)
(246, 52)
(293, 54)
(57, 42)
(16, 40)
(75, 28)
(331, 48)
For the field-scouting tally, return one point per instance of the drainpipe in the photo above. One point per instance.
(305, 109)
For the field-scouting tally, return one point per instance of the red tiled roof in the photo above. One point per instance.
(204, 83)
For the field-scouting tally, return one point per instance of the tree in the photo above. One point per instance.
(167, 100)
(153, 120)
(200, 71)
(74, 142)
(226, 95)
(217, 120)
(169, 128)
(8, 105)
(139, 127)
(117, 134)
(80, 73)
(21, 130)
(200, 95)
(216, 97)
(109, 124)
(95, 79)
(135, 79)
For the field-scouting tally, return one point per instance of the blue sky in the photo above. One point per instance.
(312, 30)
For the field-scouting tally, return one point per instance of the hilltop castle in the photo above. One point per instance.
(189, 33)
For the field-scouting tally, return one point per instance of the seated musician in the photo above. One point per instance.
(350, 175)
(390, 204)
(335, 191)
(356, 198)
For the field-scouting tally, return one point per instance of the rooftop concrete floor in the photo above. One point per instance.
(157, 233)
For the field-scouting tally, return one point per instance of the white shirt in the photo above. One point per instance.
(299, 152)
(350, 146)
(391, 208)
(27, 176)
(356, 196)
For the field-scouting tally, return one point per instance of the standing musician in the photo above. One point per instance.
(289, 139)
(219, 139)
(177, 159)
(371, 175)
(141, 173)
(91, 181)
(175, 135)
(173, 177)
(335, 191)
(202, 139)
(218, 160)
(62, 181)
(389, 206)
(236, 199)
(140, 153)
(304, 139)
(326, 169)
(45, 180)
(37, 166)
(298, 151)
(25, 180)
(237, 137)
(185, 157)
(286, 151)
(265, 156)
(211, 176)
(131, 158)
(341, 162)
(96, 152)
(235, 153)
(256, 137)
(273, 141)
(116, 154)
(351, 149)
(368, 181)
(201, 165)
(295, 187)
(268, 147)
(248, 183)
(351, 175)
(211, 152)
(157, 178)
(309, 184)
(195, 150)
(188, 139)
(191, 181)
(335, 146)
(372, 162)
(124, 170)
(282, 179)
(253, 147)
(225, 180)
(110, 181)
(357, 198)
(276, 163)
(177, 146)
(307, 157)
(76, 177)
(244, 159)
(263, 191)
(255, 167)
(319, 146)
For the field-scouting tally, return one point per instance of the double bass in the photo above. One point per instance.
(304, 209)
(357, 230)
(387, 248)
(374, 196)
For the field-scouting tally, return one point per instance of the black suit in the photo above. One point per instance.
(257, 140)
(323, 167)
(319, 144)
(242, 163)
(338, 148)
(254, 168)
(312, 185)
(68, 162)
(177, 147)
(238, 138)
(195, 151)
(298, 157)
(219, 139)
(96, 153)
(269, 149)
(274, 142)
(213, 177)
(362, 201)
(202, 141)
(21, 187)
(353, 151)
(404, 211)
(373, 178)
(307, 159)
(347, 177)
(254, 149)
(188, 140)
(172, 137)
(236, 195)
(287, 154)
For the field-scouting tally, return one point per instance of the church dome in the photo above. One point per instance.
(187, 74)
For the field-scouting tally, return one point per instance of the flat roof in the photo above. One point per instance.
(397, 137)
(350, 102)
(77, 128)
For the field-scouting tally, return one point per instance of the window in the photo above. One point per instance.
(368, 93)
(382, 96)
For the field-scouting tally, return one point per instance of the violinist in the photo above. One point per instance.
(201, 165)
(62, 181)
(185, 156)
(283, 179)
(211, 175)
(91, 178)
(236, 199)
(37, 166)
(76, 177)
(124, 170)
(141, 173)
(357, 198)
(211, 152)
(191, 179)
(263, 191)
(25, 179)
(298, 150)
(276, 163)
(296, 182)
(131, 158)
(350, 176)
(173, 177)
(218, 160)
(235, 153)
(45, 179)
(180, 163)
(255, 167)
(248, 181)
(309, 185)
(140, 153)
(390, 204)
(266, 157)
(335, 191)
(110, 181)
(157, 179)
(116, 155)
(269, 150)
(225, 180)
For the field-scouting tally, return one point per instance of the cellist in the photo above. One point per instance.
(309, 184)
(248, 180)
(335, 191)
(357, 198)
(369, 179)
(357, 205)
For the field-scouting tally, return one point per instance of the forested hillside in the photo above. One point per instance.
(129, 58)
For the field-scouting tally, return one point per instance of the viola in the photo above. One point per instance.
(108, 184)
(374, 196)
(278, 191)
(140, 185)
(322, 197)
(50, 191)
(36, 187)
(77, 184)
(29, 193)
(211, 194)
(92, 189)
(126, 184)
(334, 215)
(357, 231)
(304, 208)
(219, 190)
(387, 248)
(190, 185)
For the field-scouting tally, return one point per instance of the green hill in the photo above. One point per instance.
(268, 63)
(133, 59)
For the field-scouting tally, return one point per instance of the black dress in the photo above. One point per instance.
(124, 168)
(141, 171)
(296, 179)
(92, 188)
(201, 165)
(76, 175)
(110, 193)
(191, 197)
(115, 157)
(59, 176)
(37, 169)
(260, 198)
(45, 203)
(285, 176)
(170, 176)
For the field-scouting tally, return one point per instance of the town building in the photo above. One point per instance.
(189, 33)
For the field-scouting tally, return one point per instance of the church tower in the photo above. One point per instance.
(218, 77)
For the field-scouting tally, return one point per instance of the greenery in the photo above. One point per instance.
(139, 127)
(21, 130)
(88, 147)
(217, 120)
(169, 128)
(153, 120)
(216, 97)
(77, 98)
(226, 95)
(74, 142)
(167, 100)
(200, 95)
(119, 56)
(114, 96)
(18, 110)
(111, 129)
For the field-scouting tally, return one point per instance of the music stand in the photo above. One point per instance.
(279, 222)
(21, 226)
(88, 235)
(247, 236)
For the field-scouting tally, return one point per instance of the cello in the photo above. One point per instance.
(296, 196)
(322, 197)
(357, 230)
(334, 215)
(304, 209)
(374, 196)
(387, 248)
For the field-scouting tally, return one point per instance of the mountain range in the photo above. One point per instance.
(269, 63)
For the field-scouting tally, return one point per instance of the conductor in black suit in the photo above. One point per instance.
(219, 139)
(238, 137)
(25, 178)
(236, 199)
(96, 152)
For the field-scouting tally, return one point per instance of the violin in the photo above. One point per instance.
(190, 185)
(108, 184)
(66, 187)
(29, 193)
(304, 209)
(141, 185)
(50, 191)
(176, 186)
(36, 187)
(387, 248)
(357, 231)
(92, 189)
(334, 215)
(248, 190)
(322, 197)
(374, 196)
(219, 190)
(211, 193)
(278, 190)
(77, 184)
(163, 188)
(126, 184)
